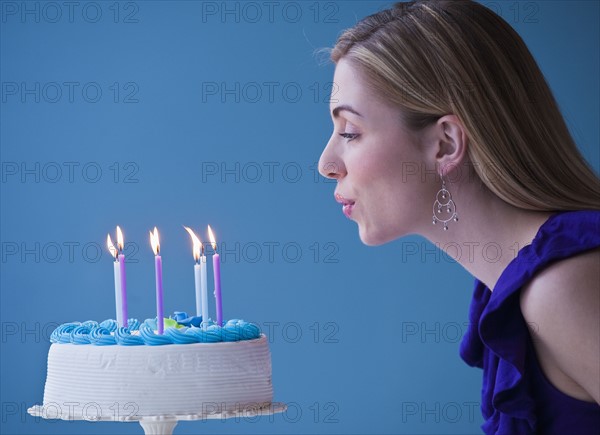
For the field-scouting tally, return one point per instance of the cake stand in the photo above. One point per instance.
(164, 424)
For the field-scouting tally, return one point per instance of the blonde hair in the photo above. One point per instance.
(433, 58)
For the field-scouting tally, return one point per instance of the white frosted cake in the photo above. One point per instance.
(101, 371)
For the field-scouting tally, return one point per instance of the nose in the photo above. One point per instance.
(331, 164)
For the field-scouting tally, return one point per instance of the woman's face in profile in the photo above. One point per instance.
(377, 163)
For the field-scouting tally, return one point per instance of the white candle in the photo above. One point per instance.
(117, 268)
(203, 288)
(199, 276)
(197, 285)
(123, 293)
(117, 273)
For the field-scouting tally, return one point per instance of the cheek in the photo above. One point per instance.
(391, 187)
(383, 173)
(370, 161)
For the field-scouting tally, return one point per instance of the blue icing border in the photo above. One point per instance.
(108, 333)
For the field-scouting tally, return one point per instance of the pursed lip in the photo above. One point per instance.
(347, 204)
(344, 201)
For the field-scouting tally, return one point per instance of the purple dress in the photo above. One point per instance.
(516, 397)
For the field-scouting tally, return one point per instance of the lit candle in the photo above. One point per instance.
(199, 276)
(217, 276)
(115, 253)
(121, 245)
(204, 288)
(159, 287)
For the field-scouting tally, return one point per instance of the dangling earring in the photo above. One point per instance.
(444, 209)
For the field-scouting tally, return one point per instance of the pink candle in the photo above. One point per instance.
(159, 287)
(120, 245)
(217, 277)
(123, 289)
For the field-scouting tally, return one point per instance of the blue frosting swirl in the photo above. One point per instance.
(150, 323)
(214, 333)
(179, 336)
(110, 324)
(231, 332)
(236, 330)
(102, 336)
(152, 339)
(81, 334)
(133, 324)
(210, 334)
(62, 334)
(123, 337)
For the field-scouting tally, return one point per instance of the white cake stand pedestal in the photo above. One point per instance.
(164, 424)
(158, 426)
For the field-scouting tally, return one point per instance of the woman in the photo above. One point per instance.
(445, 127)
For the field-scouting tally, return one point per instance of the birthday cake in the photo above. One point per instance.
(101, 370)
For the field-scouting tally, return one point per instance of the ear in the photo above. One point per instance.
(451, 143)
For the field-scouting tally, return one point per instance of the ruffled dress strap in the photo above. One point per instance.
(498, 339)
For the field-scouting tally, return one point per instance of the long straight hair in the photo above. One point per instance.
(433, 58)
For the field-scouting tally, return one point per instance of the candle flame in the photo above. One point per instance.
(120, 242)
(111, 247)
(154, 241)
(197, 244)
(211, 236)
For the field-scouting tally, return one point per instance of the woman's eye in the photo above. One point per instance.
(349, 136)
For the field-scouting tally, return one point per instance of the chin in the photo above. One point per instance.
(372, 237)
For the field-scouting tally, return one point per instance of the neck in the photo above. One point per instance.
(489, 233)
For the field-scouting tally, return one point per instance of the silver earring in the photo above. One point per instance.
(444, 208)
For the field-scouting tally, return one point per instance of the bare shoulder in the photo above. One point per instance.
(561, 306)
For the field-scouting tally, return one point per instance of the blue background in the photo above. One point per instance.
(363, 340)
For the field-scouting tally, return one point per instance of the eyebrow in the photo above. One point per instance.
(338, 109)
